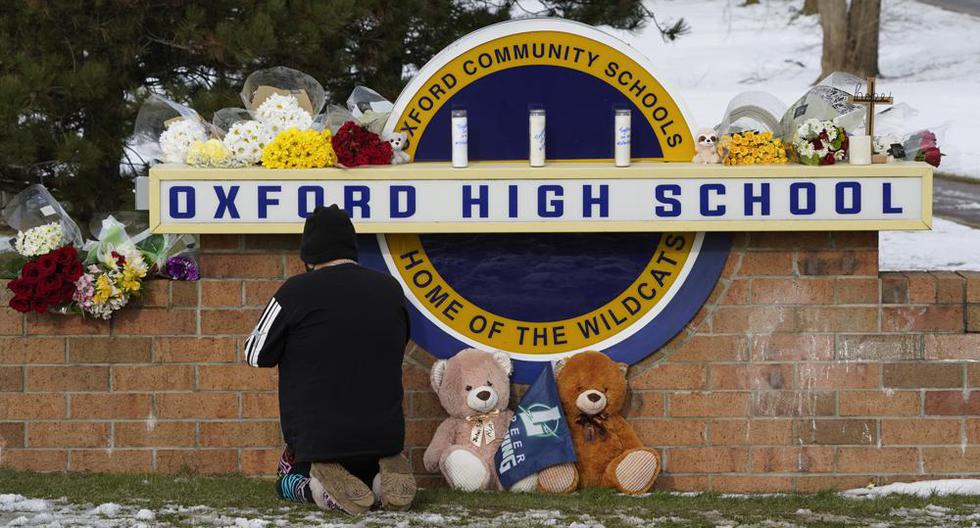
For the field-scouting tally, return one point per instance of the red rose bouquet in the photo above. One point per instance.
(355, 145)
(923, 146)
(47, 281)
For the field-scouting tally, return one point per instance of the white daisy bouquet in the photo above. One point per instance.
(820, 142)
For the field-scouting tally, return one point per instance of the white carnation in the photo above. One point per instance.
(246, 140)
(178, 137)
(282, 112)
(39, 240)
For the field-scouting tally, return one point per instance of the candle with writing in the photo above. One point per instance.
(623, 137)
(460, 135)
(536, 129)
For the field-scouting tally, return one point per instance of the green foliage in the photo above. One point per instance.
(72, 74)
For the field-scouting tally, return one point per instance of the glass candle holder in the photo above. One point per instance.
(536, 126)
(623, 135)
(460, 138)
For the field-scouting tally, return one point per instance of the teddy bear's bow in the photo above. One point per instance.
(483, 430)
(593, 425)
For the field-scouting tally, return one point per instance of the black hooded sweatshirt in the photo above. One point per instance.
(338, 336)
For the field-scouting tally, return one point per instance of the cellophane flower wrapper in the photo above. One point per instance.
(286, 81)
(366, 107)
(828, 100)
(35, 209)
(164, 130)
(753, 110)
(924, 145)
(11, 262)
(112, 236)
(244, 137)
(171, 256)
(223, 119)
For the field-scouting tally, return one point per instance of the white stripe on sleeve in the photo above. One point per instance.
(253, 345)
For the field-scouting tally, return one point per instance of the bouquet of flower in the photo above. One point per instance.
(751, 148)
(923, 146)
(170, 256)
(114, 272)
(355, 145)
(46, 281)
(820, 142)
(165, 130)
(299, 149)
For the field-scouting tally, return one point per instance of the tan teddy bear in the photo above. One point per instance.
(474, 389)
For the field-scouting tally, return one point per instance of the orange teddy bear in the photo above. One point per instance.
(592, 389)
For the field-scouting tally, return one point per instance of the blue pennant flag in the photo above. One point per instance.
(538, 436)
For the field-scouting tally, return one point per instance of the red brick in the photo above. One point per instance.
(68, 434)
(932, 318)
(260, 462)
(240, 434)
(769, 376)
(155, 321)
(922, 287)
(950, 287)
(972, 430)
(701, 348)
(153, 378)
(258, 292)
(836, 319)
(737, 292)
(838, 375)
(755, 263)
(109, 349)
(11, 379)
(670, 376)
(153, 433)
(206, 461)
(111, 460)
(35, 459)
(709, 404)
(754, 319)
(707, 460)
(973, 318)
(227, 293)
(419, 432)
(809, 459)
(110, 405)
(11, 435)
(879, 403)
(212, 243)
(952, 346)
(794, 403)
(279, 242)
(789, 240)
(196, 350)
(427, 405)
(51, 324)
(894, 288)
(921, 431)
(811, 484)
(750, 432)
(922, 375)
(236, 377)
(670, 432)
(645, 404)
(790, 347)
(877, 460)
(950, 459)
(153, 293)
(972, 285)
(197, 405)
(855, 239)
(72, 378)
(857, 290)
(11, 322)
(751, 483)
(946, 403)
(238, 265)
(18, 350)
(229, 322)
(416, 377)
(879, 347)
(19, 406)
(829, 431)
(681, 483)
(973, 375)
(260, 405)
(838, 262)
(184, 293)
(793, 291)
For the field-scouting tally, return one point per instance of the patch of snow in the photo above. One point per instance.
(18, 503)
(925, 488)
(949, 246)
(145, 515)
(109, 509)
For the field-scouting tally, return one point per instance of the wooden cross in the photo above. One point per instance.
(869, 99)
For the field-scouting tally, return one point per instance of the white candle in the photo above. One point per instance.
(536, 133)
(623, 137)
(859, 150)
(460, 135)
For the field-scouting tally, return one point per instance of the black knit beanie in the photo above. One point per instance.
(328, 235)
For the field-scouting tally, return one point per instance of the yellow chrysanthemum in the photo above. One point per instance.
(300, 149)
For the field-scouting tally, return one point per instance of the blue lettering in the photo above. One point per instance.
(360, 201)
(304, 202)
(794, 198)
(512, 201)
(661, 192)
(886, 206)
(751, 199)
(602, 201)
(409, 192)
(839, 191)
(557, 207)
(226, 202)
(706, 190)
(265, 200)
(482, 201)
(189, 198)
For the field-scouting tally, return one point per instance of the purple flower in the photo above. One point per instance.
(183, 268)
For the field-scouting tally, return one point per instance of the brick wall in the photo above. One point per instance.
(806, 369)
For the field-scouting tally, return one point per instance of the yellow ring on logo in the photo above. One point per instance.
(560, 49)
(439, 299)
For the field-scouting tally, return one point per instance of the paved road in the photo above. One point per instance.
(957, 200)
(970, 7)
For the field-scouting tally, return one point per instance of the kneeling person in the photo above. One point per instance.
(337, 333)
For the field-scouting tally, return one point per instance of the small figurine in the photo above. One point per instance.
(398, 140)
(705, 147)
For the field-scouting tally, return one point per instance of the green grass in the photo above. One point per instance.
(255, 498)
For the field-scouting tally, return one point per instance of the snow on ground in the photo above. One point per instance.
(928, 58)
(926, 488)
(949, 246)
